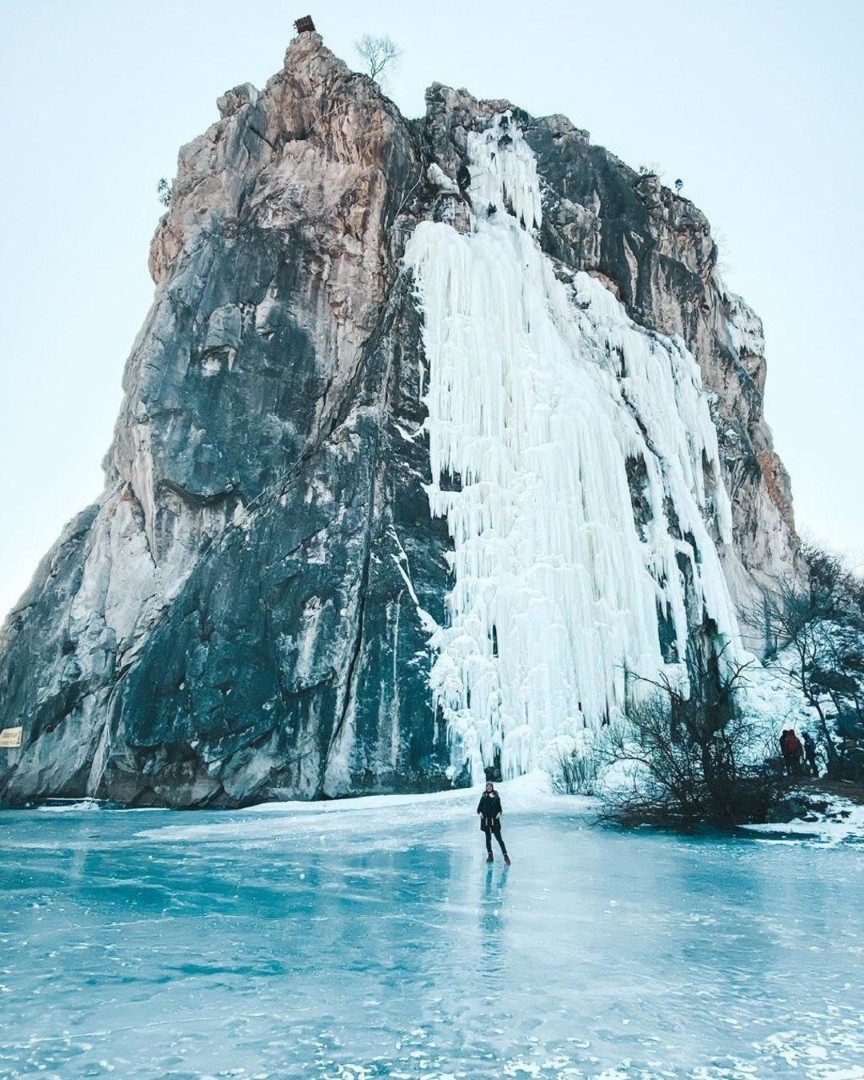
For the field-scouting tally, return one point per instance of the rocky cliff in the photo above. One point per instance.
(431, 427)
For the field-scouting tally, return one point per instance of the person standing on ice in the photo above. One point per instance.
(489, 809)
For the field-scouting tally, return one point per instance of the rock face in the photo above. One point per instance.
(255, 607)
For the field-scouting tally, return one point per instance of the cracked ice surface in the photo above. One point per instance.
(351, 940)
(540, 393)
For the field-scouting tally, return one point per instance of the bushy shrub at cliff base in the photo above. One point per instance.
(575, 772)
(671, 767)
(683, 755)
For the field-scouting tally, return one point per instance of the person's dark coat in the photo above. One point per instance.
(489, 809)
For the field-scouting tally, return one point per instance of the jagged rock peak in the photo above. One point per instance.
(314, 109)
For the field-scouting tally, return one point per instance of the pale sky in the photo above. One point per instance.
(757, 106)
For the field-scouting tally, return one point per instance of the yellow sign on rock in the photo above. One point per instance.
(10, 737)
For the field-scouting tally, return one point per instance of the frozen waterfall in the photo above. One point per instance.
(574, 458)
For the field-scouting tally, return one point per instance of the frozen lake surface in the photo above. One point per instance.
(367, 939)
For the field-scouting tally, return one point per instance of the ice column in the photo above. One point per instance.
(543, 397)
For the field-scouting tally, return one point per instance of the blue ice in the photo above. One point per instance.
(367, 939)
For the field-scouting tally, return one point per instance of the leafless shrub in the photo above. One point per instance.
(575, 773)
(688, 753)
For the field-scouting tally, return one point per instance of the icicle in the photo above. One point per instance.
(557, 585)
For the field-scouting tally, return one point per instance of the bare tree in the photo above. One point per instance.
(689, 753)
(822, 626)
(379, 53)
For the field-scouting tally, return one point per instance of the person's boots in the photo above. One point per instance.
(506, 858)
(490, 857)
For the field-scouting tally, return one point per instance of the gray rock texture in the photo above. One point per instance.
(241, 615)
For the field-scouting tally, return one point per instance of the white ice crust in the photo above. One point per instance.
(540, 392)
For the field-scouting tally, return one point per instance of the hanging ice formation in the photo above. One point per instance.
(575, 460)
